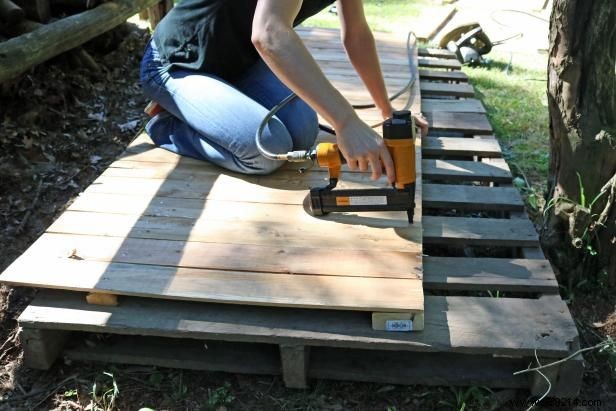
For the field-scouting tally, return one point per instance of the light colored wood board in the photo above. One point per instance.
(469, 105)
(442, 75)
(472, 198)
(436, 53)
(484, 274)
(286, 230)
(218, 187)
(327, 35)
(183, 354)
(453, 146)
(215, 256)
(229, 210)
(479, 231)
(456, 170)
(468, 123)
(439, 63)
(388, 62)
(239, 191)
(215, 286)
(446, 89)
(472, 325)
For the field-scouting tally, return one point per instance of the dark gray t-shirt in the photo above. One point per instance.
(214, 35)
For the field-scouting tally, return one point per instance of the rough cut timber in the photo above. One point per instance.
(21, 53)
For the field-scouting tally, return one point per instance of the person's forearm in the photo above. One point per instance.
(361, 50)
(284, 52)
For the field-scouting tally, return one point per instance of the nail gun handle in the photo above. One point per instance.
(399, 136)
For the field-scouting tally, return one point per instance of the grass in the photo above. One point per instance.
(382, 15)
(514, 95)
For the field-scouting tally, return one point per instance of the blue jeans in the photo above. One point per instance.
(210, 119)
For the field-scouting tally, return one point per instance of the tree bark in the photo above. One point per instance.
(579, 236)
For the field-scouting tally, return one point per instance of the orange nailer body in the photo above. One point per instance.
(399, 138)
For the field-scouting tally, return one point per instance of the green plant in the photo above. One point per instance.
(589, 221)
(474, 397)
(530, 194)
(104, 393)
(494, 294)
(219, 397)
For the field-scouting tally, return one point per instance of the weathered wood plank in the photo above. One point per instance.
(479, 231)
(21, 53)
(471, 325)
(471, 198)
(454, 170)
(454, 146)
(42, 347)
(182, 353)
(440, 63)
(206, 285)
(295, 364)
(446, 89)
(484, 274)
(326, 363)
(216, 227)
(442, 75)
(469, 105)
(467, 123)
(410, 368)
(215, 256)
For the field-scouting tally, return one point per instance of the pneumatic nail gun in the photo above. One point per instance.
(399, 137)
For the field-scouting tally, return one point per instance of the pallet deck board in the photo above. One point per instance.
(467, 123)
(453, 146)
(228, 287)
(446, 89)
(216, 256)
(479, 231)
(469, 105)
(440, 63)
(459, 170)
(453, 324)
(471, 198)
(443, 75)
(489, 274)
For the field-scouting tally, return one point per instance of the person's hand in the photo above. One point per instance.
(422, 123)
(362, 147)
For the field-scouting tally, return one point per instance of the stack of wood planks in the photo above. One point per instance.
(177, 238)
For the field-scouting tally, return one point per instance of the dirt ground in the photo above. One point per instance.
(62, 124)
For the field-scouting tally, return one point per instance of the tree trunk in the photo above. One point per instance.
(579, 233)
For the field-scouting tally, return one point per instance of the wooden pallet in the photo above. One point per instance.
(223, 237)
(485, 317)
